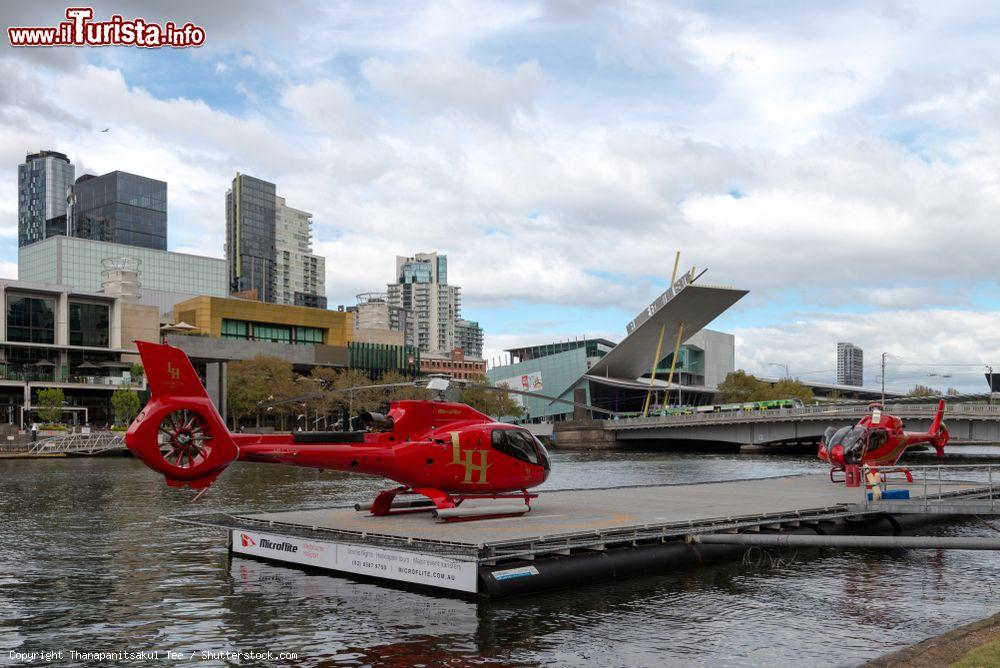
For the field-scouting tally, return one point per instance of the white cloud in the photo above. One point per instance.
(447, 83)
(918, 342)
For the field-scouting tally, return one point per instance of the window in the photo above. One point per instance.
(515, 443)
(88, 324)
(31, 319)
(308, 335)
(234, 329)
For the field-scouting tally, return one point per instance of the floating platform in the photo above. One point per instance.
(570, 537)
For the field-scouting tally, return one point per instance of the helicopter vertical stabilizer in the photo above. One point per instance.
(179, 433)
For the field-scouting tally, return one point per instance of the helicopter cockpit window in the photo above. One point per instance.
(838, 436)
(877, 438)
(854, 441)
(516, 443)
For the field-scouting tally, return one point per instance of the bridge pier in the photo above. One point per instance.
(583, 435)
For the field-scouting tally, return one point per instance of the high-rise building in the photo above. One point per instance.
(375, 321)
(469, 337)
(43, 183)
(120, 208)
(300, 276)
(250, 237)
(850, 364)
(422, 289)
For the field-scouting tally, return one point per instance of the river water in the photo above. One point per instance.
(88, 564)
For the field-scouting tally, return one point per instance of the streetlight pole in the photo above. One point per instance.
(884, 355)
(788, 376)
(989, 380)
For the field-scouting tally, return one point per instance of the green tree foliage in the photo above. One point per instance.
(50, 404)
(262, 378)
(493, 403)
(137, 372)
(739, 386)
(922, 391)
(125, 404)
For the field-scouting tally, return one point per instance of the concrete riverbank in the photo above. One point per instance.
(965, 646)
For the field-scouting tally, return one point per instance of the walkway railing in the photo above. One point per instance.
(934, 490)
(854, 412)
(80, 444)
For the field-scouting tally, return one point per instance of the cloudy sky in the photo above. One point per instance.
(840, 162)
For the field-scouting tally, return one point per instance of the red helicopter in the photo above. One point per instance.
(878, 440)
(444, 452)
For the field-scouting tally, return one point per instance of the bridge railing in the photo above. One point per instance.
(81, 444)
(848, 412)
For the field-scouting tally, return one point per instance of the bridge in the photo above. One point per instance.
(978, 422)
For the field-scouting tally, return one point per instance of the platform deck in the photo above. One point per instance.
(569, 520)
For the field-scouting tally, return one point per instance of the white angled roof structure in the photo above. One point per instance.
(693, 305)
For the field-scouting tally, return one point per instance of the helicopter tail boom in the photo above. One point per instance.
(179, 433)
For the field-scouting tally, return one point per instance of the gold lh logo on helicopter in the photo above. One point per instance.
(465, 458)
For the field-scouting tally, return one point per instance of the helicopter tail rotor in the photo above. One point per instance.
(179, 433)
(939, 432)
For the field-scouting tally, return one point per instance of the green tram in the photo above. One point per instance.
(770, 404)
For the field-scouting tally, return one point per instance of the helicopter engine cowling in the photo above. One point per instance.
(376, 422)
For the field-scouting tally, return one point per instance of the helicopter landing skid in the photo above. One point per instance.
(445, 507)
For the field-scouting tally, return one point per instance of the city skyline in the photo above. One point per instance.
(699, 129)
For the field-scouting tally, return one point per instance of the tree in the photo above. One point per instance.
(137, 372)
(262, 378)
(922, 391)
(788, 389)
(739, 387)
(125, 404)
(493, 403)
(50, 403)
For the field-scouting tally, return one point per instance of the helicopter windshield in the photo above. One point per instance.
(838, 436)
(520, 444)
(854, 442)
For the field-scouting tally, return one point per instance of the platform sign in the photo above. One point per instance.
(377, 562)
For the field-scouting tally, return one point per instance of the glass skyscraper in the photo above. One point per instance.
(250, 236)
(43, 182)
(121, 208)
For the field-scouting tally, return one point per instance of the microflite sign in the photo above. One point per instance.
(400, 565)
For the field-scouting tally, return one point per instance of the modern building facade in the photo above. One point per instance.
(120, 208)
(43, 183)
(250, 237)
(165, 277)
(228, 329)
(434, 307)
(300, 275)
(850, 364)
(248, 320)
(82, 342)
